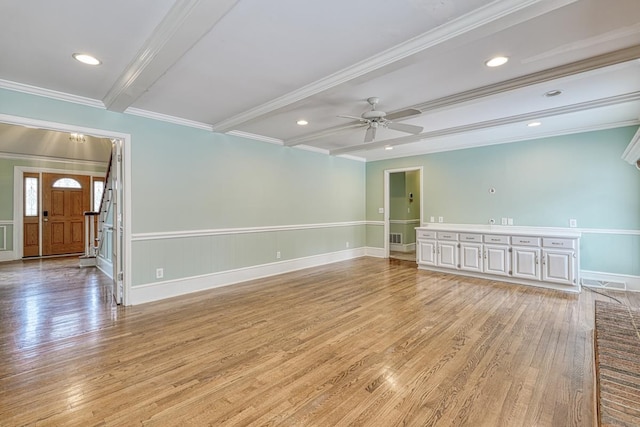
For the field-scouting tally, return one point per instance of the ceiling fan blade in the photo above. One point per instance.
(405, 128)
(403, 113)
(370, 135)
(344, 116)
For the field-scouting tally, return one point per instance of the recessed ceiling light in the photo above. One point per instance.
(496, 61)
(86, 59)
(388, 147)
(534, 124)
(554, 92)
(302, 122)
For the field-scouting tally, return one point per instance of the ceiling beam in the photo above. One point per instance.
(567, 70)
(488, 14)
(534, 115)
(183, 26)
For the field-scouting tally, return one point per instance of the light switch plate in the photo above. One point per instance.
(432, 219)
(573, 223)
(380, 210)
(504, 221)
(509, 221)
(440, 219)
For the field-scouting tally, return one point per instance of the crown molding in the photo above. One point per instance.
(492, 12)
(631, 154)
(48, 93)
(573, 108)
(167, 118)
(255, 137)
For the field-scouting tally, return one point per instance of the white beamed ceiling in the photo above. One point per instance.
(254, 68)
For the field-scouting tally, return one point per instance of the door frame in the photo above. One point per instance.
(387, 200)
(18, 200)
(123, 140)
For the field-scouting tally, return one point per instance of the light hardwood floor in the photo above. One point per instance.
(366, 342)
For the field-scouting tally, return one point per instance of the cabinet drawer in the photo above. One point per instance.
(445, 235)
(470, 237)
(496, 239)
(558, 243)
(422, 234)
(525, 241)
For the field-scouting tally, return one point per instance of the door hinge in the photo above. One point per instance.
(119, 157)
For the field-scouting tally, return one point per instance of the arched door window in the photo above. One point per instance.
(66, 183)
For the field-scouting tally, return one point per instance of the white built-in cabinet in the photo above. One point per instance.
(509, 254)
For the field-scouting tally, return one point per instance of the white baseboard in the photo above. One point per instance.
(374, 252)
(622, 282)
(408, 247)
(105, 266)
(7, 256)
(160, 290)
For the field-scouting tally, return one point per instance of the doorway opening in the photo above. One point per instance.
(49, 224)
(403, 212)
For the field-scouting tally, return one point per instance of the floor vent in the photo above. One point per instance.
(395, 238)
(593, 283)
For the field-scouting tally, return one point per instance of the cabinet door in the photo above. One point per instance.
(558, 266)
(448, 254)
(497, 260)
(427, 252)
(471, 257)
(526, 263)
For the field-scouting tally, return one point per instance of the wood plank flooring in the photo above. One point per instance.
(367, 342)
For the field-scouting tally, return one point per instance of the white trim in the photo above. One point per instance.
(378, 223)
(374, 252)
(632, 153)
(406, 247)
(167, 118)
(7, 256)
(404, 221)
(629, 282)
(608, 231)
(239, 230)
(48, 93)
(312, 149)
(36, 158)
(105, 266)
(351, 157)
(6, 222)
(3, 245)
(482, 16)
(160, 290)
(255, 137)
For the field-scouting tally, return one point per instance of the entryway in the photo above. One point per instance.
(403, 212)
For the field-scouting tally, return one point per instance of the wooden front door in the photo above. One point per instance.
(65, 198)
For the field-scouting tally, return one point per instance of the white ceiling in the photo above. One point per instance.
(253, 68)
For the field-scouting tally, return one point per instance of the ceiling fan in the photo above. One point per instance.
(375, 118)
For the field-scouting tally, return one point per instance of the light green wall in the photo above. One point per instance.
(542, 182)
(192, 179)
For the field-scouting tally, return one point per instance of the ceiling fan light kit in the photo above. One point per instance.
(375, 118)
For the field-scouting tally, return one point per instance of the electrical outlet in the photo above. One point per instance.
(573, 223)
(380, 210)
(432, 219)
(159, 273)
(347, 245)
(504, 221)
(440, 219)
(278, 255)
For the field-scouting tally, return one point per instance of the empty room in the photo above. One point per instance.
(419, 212)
